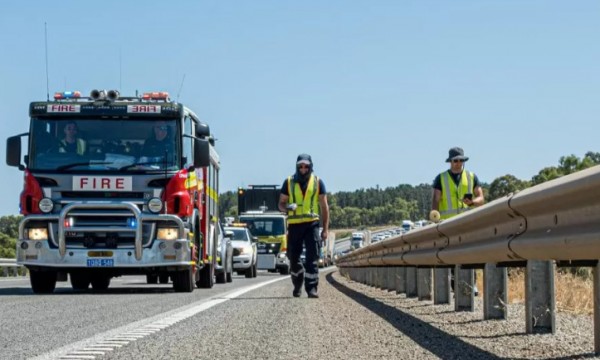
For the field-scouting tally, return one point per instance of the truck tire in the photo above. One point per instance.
(163, 278)
(249, 272)
(221, 277)
(207, 279)
(100, 282)
(42, 282)
(284, 270)
(79, 281)
(229, 275)
(254, 271)
(183, 281)
(151, 278)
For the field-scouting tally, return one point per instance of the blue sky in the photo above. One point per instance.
(376, 91)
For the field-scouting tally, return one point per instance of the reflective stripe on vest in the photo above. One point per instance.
(80, 146)
(451, 202)
(308, 209)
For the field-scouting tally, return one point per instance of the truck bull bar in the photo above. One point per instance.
(87, 205)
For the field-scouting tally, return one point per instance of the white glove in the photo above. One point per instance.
(292, 207)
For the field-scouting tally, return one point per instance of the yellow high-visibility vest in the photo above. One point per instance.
(308, 203)
(81, 146)
(451, 202)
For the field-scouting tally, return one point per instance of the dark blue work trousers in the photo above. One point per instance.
(304, 235)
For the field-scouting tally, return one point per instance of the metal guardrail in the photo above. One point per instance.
(9, 267)
(557, 222)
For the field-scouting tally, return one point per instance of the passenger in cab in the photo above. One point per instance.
(72, 143)
(160, 142)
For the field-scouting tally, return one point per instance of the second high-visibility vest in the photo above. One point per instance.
(308, 203)
(451, 202)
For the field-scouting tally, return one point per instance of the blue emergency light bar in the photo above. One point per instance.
(67, 95)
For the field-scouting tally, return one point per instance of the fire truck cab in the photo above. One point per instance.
(117, 186)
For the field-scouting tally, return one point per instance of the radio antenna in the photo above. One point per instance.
(120, 72)
(180, 87)
(47, 76)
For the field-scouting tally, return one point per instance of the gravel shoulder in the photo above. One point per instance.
(355, 321)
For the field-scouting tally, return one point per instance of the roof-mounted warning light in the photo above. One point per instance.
(156, 95)
(67, 95)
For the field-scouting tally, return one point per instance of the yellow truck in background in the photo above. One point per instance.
(258, 208)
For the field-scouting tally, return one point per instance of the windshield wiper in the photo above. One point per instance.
(145, 163)
(69, 166)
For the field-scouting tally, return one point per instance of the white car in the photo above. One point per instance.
(244, 250)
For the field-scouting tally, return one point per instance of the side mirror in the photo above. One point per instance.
(13, 151)
(202, 130)
(201, 153)
(228, 234)
(255, 239)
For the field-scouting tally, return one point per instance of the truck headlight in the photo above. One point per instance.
(46, 205)
(166, 234)
(281, 255)
(37, 234)
(155, 205)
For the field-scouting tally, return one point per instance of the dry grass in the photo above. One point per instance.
(573, 293)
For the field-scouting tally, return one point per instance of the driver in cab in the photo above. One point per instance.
(71, 142)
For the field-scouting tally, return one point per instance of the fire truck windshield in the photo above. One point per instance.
(75, 144)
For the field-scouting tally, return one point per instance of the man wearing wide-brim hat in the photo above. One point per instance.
(456, 190)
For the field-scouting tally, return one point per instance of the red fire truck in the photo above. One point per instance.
(118, 186)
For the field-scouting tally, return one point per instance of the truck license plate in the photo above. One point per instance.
(100, 262)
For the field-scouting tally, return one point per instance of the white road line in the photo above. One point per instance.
(142, 328)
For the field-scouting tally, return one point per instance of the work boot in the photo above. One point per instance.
(297, 292)
(475, 290)
(313, 294)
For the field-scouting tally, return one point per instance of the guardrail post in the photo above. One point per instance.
(596, 275)
(463, 289)
(400, 280)
(539, 297)
(371, 276)
(385, 283)
(495, 292)
(5, 271)
(441, 282)
(391, 279)
(411, 281)
(424, 286)
(381, 272)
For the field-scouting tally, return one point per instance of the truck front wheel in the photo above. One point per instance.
(183, 281)
(207, 279)
(42, 282)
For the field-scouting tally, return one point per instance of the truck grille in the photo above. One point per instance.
(102, 195)
(98, 239)
(265, 248)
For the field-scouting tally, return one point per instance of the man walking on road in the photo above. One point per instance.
(304, 198)
(455, 191)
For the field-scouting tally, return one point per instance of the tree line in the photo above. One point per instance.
(389, 206)
(373, 206)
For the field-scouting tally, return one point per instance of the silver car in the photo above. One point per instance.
(244, 250)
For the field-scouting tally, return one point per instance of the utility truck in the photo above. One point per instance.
(258, 208)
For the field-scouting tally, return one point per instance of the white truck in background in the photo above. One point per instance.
(360, 239)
